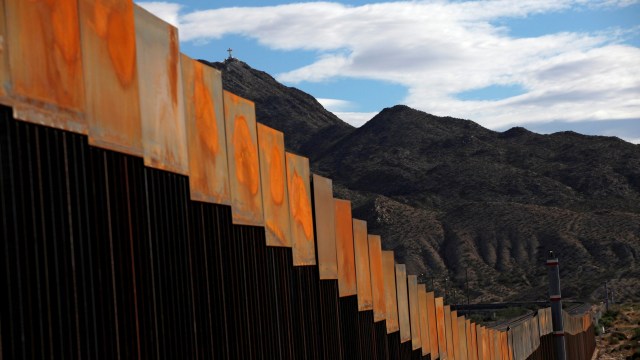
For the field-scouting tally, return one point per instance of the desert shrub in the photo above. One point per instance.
(619, 335)
(608, 317)
(613, 340)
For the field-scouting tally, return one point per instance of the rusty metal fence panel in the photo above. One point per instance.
(496, 346)
(403, 303)
(424, 319)
(414, 313)
(377, 278)
(300, 210)
(504, 345)
(5, 77)
(164, 139)
(433, 325)
(449, 329)
(45, 63)
(468, 339)
(390, 297)
(480, 339)
(275, 196)
(474, 342)
(544, 319)
(244, 165)
(455, 332)
(207, 145)
(363, 274)
(108, 38)
(325, 227)
(441, 327)
(344, 248)
(462, 336)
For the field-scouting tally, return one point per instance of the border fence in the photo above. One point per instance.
(146, 214)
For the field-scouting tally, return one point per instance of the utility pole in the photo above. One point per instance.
(612, 299)
(556, 306)
(446, 283)
(606, 296)
(466, 270)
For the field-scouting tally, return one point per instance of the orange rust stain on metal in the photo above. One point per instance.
(111, 21)
(344, 248)
(455, 334)
(208, 172)
(377, 278)
(497, 347)
(172, 64)
(276, 178)
(246, 156)
(390, 294)
(243, 160)
(5, 78)
(272, 174)
(414, 312)
(442, 328)
(363, 273)
(504, 345)
(109, 60)
(204, 111)
(474, 341)
(482, 336)
(64, 19)
(161, 109)
(50, 67)
(423, 311)
(325, 227)
(42, 56)
(300, 210)
(462, 334)
(468, 339)
(488, 343)
(433, 325)
(449, 332)
(403, 303)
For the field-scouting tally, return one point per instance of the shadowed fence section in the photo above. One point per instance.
(146, 214)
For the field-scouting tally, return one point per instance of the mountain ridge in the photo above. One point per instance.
(452, 198)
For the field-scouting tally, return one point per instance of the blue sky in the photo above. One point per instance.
(547, 65)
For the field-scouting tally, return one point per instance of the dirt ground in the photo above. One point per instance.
(621, 337)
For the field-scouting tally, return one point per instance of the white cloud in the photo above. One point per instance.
(440, 48)
(356, 119)
(166, 11)
(335, 104)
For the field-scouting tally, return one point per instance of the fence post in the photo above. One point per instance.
(556, 306)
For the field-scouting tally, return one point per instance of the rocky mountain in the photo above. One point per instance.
(309, 128)
(460, 202)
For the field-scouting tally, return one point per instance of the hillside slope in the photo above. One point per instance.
(309, 128)
(456, 200)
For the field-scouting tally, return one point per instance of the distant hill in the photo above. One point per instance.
(454, 199)
(309, 128)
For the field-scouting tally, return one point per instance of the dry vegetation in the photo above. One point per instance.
(621, 338)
